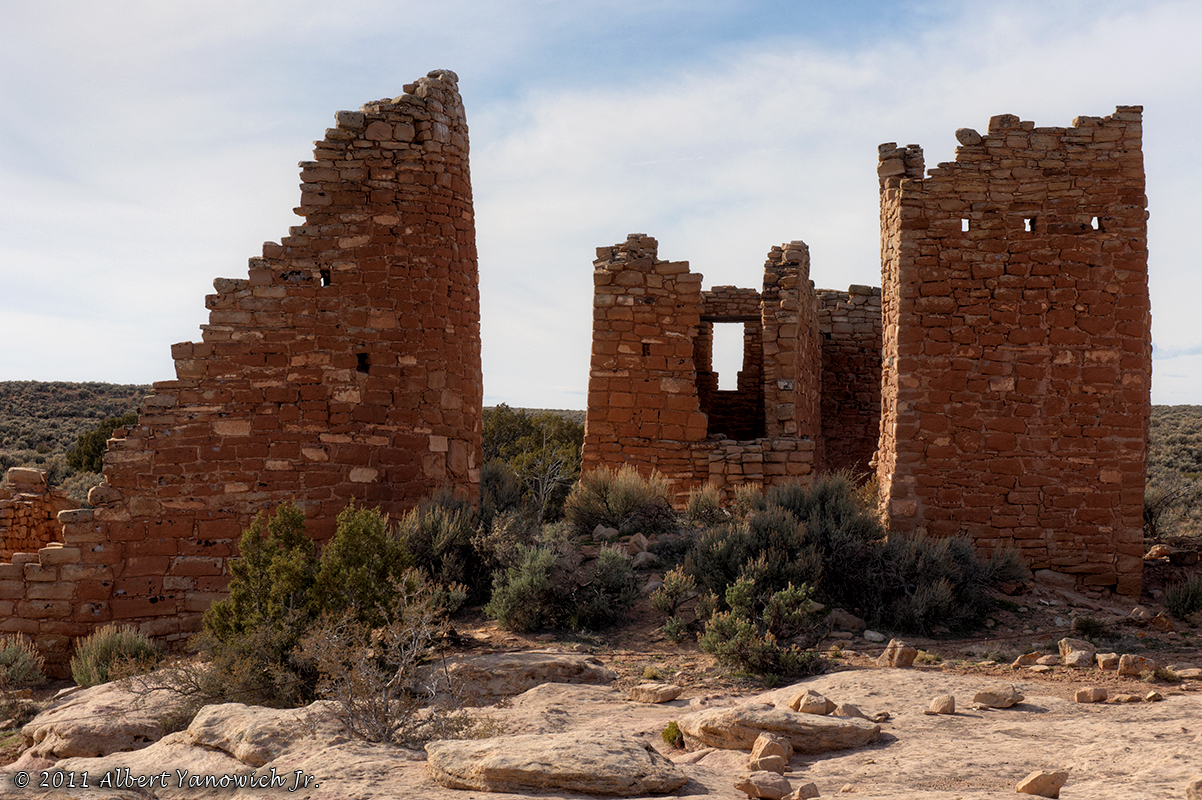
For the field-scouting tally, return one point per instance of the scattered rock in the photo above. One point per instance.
(1025, 660)
(492, 677)
(1077, 653)
(897, 654)
(644, 559)
(1050, 660)
(873, 636)
(1107, 661)
(1090, 694)
(1141, 614)
(636, 544)
(810, 702)
(1044, 784)
(590, 762)
(848, 710)
(1041, 669)
(943, 704)
(1162, 622)
(1131, 664)
(1190, 673)
(998, 695)
(764, 784)
(737, 727)
(653, 692)
(1153, 697)
(1157, 551)
(841, 620)
(604, 532)
(1125, 698)
(770, 753)
(806, 791)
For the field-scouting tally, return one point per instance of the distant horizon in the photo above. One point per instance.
(720, 129)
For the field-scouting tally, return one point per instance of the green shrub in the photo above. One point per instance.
(500, 492)
(438, 534)
(21, 665)
(359, 565)
(524, 596)
(749, 497)
(608, 591)
(537, 592)
(1088, 627)
(88, 453)
(112, 652)
(672, 735)
(542, 451)
(1185, 598)
(754, 635)
(674, 629)
(703, 507)
(677, 589)
(624, 500)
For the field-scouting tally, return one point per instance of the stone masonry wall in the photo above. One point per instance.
(850, 325)
(651, 366)
(345, 366)
(1017, 344)
(29, 513)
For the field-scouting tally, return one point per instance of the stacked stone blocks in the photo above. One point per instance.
(1017, 347)
(346, 366)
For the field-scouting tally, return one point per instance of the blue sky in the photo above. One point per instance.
(148, 147)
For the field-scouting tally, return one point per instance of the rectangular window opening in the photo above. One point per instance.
(364, 365)
(325, 277)
(964, 225)
(1096, 223)
(1029, 224)
(646, 348)
(728, 355)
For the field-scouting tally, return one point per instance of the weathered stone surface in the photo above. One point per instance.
(874, 636)
(967, 136)
(1090, 694)
(771, 753)
(98, 721)
(897, 654)
(1107, 661)
(1132, 664)
(807, 791)
(737, 727)
(1044, 784)
(590, 762)
(943, 704)
(1025, 660)
(848, 710)
(998, 695)
(768, 785)
(1077, 653)
(846, 621)
(255, 735)
(654, 692)
(808, 701)
(488, 678)
(26, 476)
(1194, 790)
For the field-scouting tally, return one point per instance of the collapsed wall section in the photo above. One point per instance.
(346, 366)
(653, 400)
(1017, 345)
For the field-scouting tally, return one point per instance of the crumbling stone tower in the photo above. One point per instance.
(1017, 344)
(345, 366)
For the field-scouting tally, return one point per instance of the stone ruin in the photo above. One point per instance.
(999, 384)
(346, 366)
(811, 372)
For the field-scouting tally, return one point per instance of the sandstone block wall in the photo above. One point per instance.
(345, 366)
(653, 396)
(1017, 369)
(29, 513)
(850, 326)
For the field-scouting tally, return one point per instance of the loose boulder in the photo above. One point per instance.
(764, 784)
(737, 727)
(1077, 653)
(492, 677)
(590, 762)
(653, 692)
(810, 702)
(897, 654)
(998, 695)
(943, 704)
(1131, 664)
(770, 753)
(806, 791)
(1091, 694)
(1044, 784)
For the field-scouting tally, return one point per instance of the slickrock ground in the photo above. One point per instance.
(1130, 750)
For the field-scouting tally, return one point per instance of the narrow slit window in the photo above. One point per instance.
(325, 277)
(364, 365)
(964, 225)
(1029, 224)
(646, 348)
(1096, 223)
